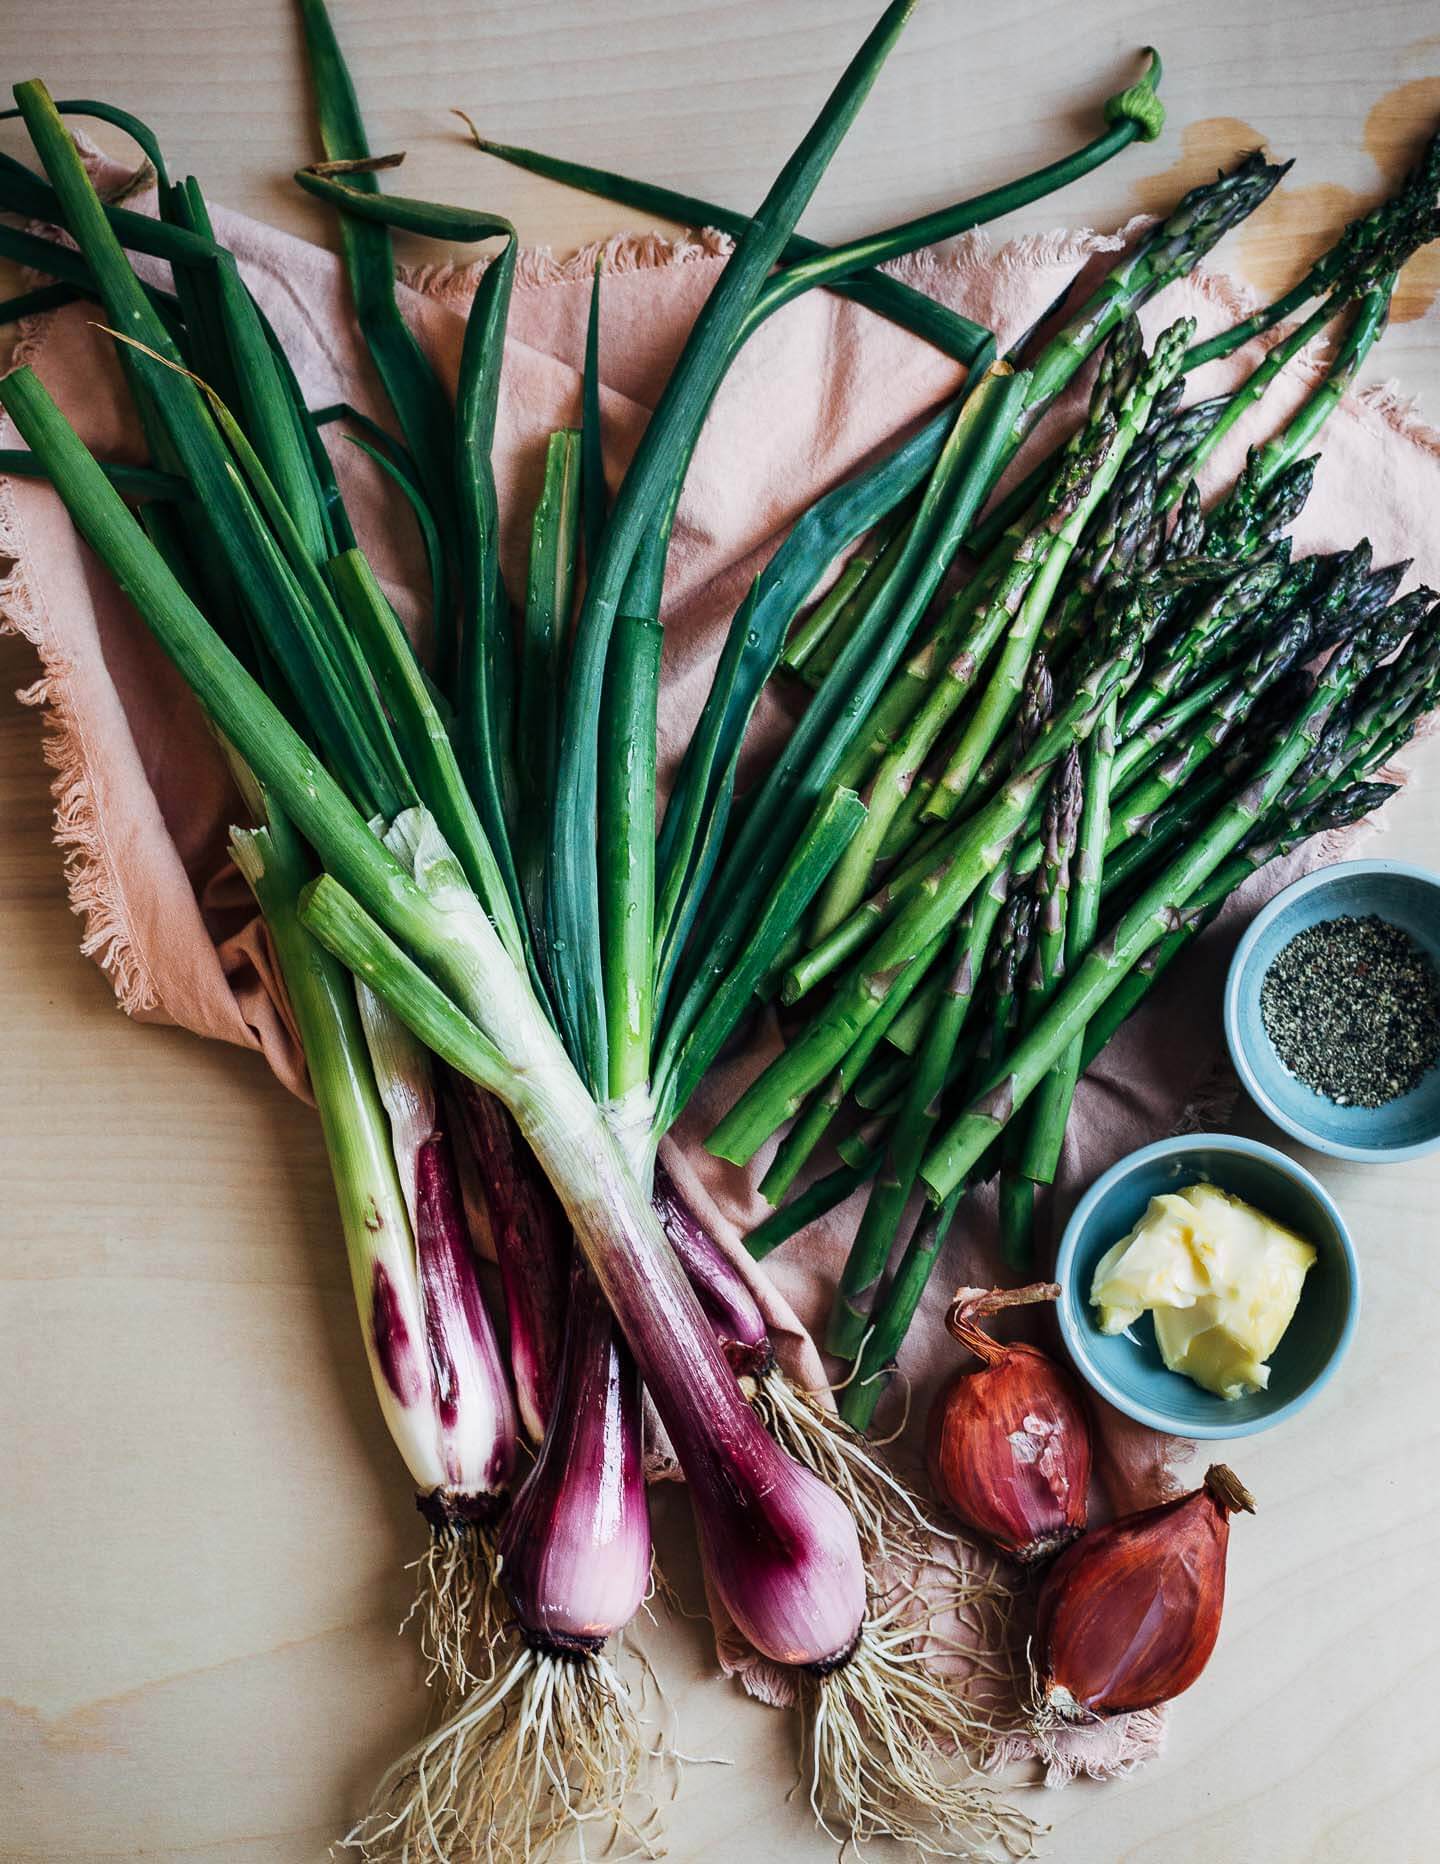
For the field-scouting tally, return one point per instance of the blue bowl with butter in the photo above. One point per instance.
(1127, 1366)
(1404, 896)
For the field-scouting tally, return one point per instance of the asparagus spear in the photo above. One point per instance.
(1041, 1154)
(1378, 238)
(1255, 386)
(997, 703)
(1219, 615)
(825, 1195)
(980, 845)
(1013, 944)
(896, 1308)
(894, 1313)
(1366, 328)
(1136, 807)
(1124, 395)
(1378, 242)
(1346, 806)
(1188, 532)
(800, 648)
(1044, 975)
(913, 1125)
(1167, 252)
(827, 1101)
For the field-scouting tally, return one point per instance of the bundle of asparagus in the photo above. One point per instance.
(1104, 732)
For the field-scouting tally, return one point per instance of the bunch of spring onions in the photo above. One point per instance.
(474, 842)
(541, 979)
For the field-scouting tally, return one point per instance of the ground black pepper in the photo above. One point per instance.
(1353, 1009)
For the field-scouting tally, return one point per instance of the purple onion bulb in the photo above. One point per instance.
(575, 1549)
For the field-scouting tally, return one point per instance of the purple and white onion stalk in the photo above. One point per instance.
(780, 1548)
(730, 1307)
(889, 1519)
(434, 1357)
(550, 1742)
(781, 1551)
(531, 1243)
(891, 1523)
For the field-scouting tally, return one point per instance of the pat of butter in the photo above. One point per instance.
(1221, 1278)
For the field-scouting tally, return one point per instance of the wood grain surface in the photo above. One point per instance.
(202, 1525)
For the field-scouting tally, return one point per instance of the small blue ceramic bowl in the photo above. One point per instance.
(1408, 897)
(1126, 1368)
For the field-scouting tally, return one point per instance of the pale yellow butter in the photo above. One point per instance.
(1221, 1278)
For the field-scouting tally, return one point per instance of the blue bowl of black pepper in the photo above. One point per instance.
(1332, 1010)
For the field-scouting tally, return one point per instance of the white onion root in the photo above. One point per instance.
(890, 1521)
(892, 1752)
(550, 1745)
(457, 1607)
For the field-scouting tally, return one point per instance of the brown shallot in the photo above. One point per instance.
(1128, 1618)
(1008, 1444)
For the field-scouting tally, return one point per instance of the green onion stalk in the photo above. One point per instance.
(427, 1333)
(434, 1358)
(502, 1040)
(472, 1774)
(1132, 114)
(431, 916)
(627, 808)
(629, 572)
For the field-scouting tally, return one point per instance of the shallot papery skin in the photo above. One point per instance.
(1128, 1616)
(1008, 1441)
(1009, 1453)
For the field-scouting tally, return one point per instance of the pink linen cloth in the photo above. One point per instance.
(144, 800)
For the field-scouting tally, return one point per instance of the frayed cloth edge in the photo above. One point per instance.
(93, 888)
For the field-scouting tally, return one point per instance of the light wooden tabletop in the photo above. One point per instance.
(203, 1525)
